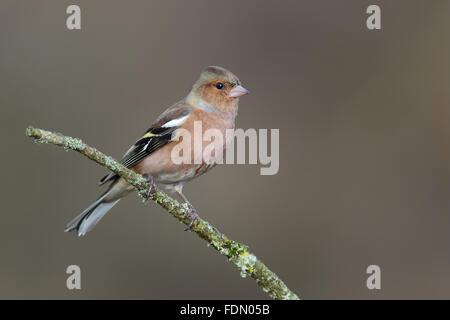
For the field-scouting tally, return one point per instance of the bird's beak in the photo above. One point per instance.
(238, 91)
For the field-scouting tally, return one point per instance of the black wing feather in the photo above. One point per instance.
(145, 147)
(155, 137)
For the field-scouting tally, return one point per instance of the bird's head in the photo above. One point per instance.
(217, 87)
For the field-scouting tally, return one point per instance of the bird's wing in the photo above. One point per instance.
(159, 134)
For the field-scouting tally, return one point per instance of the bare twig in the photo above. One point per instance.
(236, 252)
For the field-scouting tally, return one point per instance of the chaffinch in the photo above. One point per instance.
(213, 100)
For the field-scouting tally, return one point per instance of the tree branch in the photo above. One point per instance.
(236, 252)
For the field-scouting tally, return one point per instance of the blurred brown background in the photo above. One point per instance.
(364, 151)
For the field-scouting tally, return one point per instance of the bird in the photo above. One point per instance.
(213, 102)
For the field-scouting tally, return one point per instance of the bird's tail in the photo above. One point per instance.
(86, 220)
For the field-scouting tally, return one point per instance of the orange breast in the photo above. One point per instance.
(203, 156)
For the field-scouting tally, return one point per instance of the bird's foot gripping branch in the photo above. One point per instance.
(237, 253)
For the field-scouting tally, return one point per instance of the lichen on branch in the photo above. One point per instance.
(237, 253)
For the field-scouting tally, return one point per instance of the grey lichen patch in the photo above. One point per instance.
(246, 263)
(29, 131)
(112, 164)
(34, 133)
(289, 296)
(72, 143)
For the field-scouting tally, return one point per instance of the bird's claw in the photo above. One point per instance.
(152, 185)
(192, 214)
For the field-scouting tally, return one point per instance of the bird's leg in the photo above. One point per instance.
(191, 213)
(152, 186)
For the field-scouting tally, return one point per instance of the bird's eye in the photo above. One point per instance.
(219, 85)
